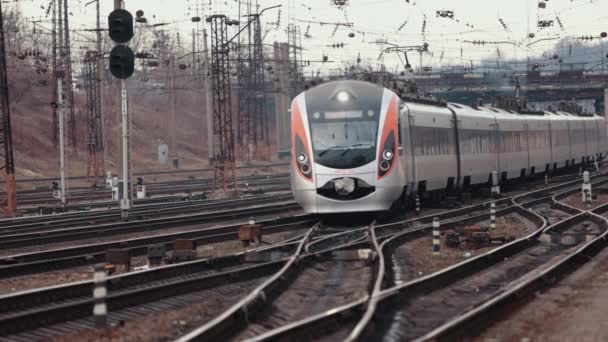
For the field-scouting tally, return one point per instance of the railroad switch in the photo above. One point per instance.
(183, 250)
(353, 255)
(118, 257)
(256, 257)
(474, 236)
(251, 233)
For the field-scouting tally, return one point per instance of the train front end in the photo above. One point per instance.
(345, 148)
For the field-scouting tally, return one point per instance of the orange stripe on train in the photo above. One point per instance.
(297, 128)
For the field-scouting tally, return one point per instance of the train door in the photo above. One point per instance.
(406, 148)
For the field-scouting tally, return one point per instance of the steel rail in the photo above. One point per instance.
(327, 320)
(58, 303)
(90, 254)
(140, 213)
(481, 315)
(48, 237)
(239, 310)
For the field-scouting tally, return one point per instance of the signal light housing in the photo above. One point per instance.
(120, 24)
(122, 62)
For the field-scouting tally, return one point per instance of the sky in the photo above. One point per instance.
(395, 21)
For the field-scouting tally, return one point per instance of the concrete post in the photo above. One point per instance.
(586, 189)
(436, 236)
(495, 187)
(100, 310)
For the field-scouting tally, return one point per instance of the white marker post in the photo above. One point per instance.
(436, 236)
(495, 187)
(100, 291)
(492, 216)
(597, 165)
(586, 189)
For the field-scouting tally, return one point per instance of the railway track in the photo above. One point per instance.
(44, 261)
(414, 307)
(152, 173)
(85, 255)
(14, 239)
(28, 315)
(154, 190)
(592, 242)
(323, 248)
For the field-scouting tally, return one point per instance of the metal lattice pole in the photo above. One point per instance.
(259, 100)
(95, 166)
(223, 159)
(6, 134)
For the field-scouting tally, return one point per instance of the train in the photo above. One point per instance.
(360, 147)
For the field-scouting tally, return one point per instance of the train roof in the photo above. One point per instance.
(490, 110)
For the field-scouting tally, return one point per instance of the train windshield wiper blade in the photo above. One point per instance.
(355, 145)
(329, 149)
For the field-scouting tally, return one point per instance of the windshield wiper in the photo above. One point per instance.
(355, 145)
(329, 149)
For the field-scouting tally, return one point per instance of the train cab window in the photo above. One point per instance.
(344, 139)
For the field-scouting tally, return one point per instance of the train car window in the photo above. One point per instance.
(477, 141)
(431, 141)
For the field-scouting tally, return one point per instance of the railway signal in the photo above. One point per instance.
(120, 23)
(122, 62)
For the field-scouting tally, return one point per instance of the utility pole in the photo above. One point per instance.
(100, 68)
(61, 113)
(208, 97)
(6, 142)
(55, 127)
(68, 73)
(172, 101)
(224, 173)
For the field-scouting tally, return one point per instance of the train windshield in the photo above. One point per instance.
(344, 139)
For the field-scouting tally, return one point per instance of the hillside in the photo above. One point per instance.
(35, 155)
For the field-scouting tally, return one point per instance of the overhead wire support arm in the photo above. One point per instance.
(251, 22)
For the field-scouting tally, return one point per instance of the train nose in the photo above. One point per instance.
(344, 186)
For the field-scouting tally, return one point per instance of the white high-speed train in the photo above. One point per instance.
(358, 147)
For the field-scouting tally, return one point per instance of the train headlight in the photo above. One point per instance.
(305, 169)
(388, 155)
(343, 96)
(385, 165)
(302, 158)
